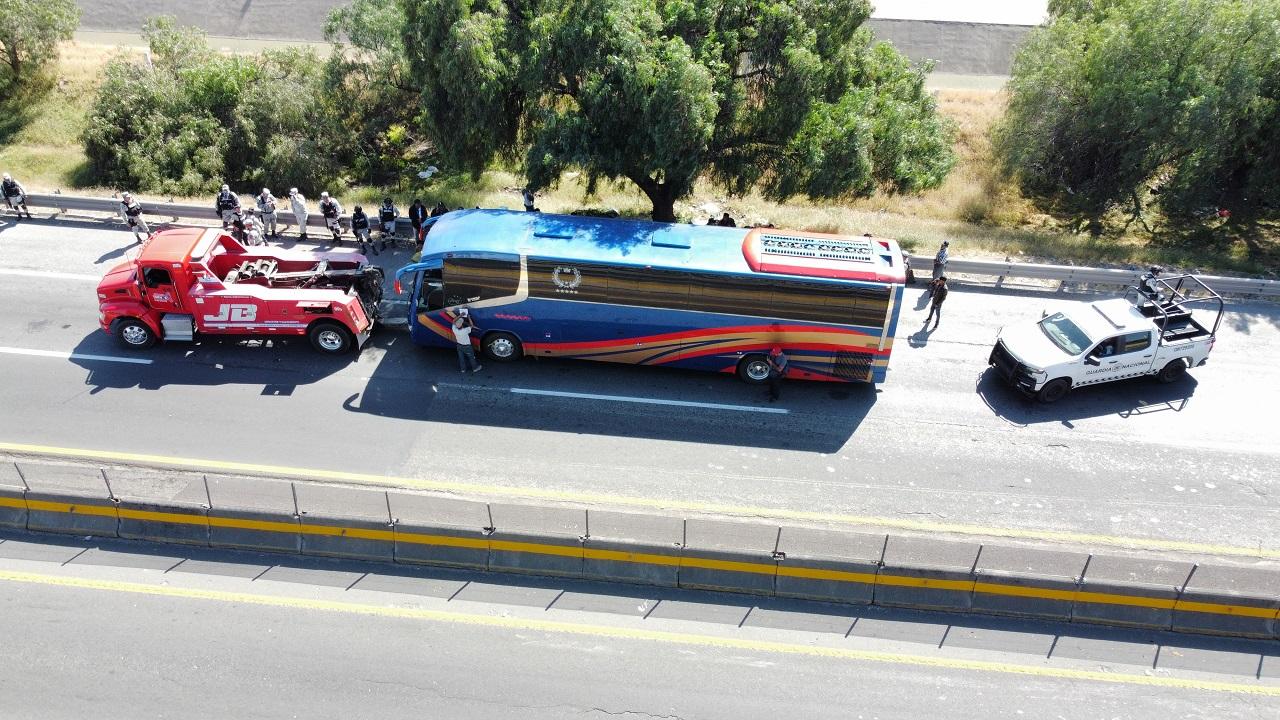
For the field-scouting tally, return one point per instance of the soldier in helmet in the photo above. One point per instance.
(131, 212)
(15, 195)
(227, 206)
(332, 213)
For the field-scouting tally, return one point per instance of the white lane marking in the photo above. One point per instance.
(651, 401)
(73, 356)
(50, 274)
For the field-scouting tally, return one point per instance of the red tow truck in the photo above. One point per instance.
(189, 282)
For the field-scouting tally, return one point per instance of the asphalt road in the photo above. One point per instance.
(140, 631)
(941, 445)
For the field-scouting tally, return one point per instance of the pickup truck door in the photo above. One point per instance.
(1122, 356)
(159, 289)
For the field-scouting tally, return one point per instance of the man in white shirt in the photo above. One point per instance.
(462, 327)
(299, 205)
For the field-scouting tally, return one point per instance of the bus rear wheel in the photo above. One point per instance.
(502, 347)
(754, 369)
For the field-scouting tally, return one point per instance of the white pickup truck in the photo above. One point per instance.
(1150, 331)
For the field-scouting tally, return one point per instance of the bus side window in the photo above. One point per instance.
(648, 287)
(731, 295)
(468, 280)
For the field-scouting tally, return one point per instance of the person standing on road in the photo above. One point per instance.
(462, 327)
(939, 296)
(131, 212)
(527, 195)
(331, 211)
(227, 206)
(15, 195)
(417, 216)
(940, 263)
(726, 221)
(387, 216)
(298, 203)
(267, 212)
(360, 228)
(778, 363)
(439, 210)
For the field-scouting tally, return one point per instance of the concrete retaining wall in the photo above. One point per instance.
(731, 556)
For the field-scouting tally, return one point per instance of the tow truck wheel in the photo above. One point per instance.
(330, 338)
(1173, 371)
(134, 334)
(1054, 390)
(502, 347)
(754, 369)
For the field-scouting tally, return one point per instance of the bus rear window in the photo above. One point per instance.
(468, 280)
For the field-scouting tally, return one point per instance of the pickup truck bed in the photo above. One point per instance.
(1177, 324)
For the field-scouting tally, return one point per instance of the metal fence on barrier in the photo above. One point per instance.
(986, 268)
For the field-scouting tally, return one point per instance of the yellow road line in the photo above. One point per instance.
(199, 464)
(683, 561)
(636, 634)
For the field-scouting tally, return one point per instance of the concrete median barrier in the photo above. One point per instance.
(828, 565)
(1027, 581)
(161, 506)
(1230, 601)
(927, 574)
(539, 540)
(345, 522)
(1241, 600)
(1130, 591)
(253, 513)
(71, 499)
(440, 531)
(13, 498)
(733, 556)
(628, 547)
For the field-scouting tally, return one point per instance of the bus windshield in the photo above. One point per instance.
(1065, 334)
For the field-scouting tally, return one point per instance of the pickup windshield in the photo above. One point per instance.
(1065, 334)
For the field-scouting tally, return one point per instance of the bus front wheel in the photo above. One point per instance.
(502, 347)
(754, 369)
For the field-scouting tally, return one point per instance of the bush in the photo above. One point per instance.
(192, 119)
(1116, 104)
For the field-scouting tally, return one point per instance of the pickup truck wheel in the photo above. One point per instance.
(330, 338)
(1054, 390)
(134, 334)
(754, 369)
(502, 347)
(1173, 371)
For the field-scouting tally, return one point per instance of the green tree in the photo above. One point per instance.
(191, 119)
(30, 31)
(1119, 103)
(369, 102)
(792, 96)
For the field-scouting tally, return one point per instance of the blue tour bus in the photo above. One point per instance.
(689, 296)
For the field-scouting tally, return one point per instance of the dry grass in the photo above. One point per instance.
(45, 153)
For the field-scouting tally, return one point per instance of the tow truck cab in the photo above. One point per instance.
(191, 281)
(1162, 332)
